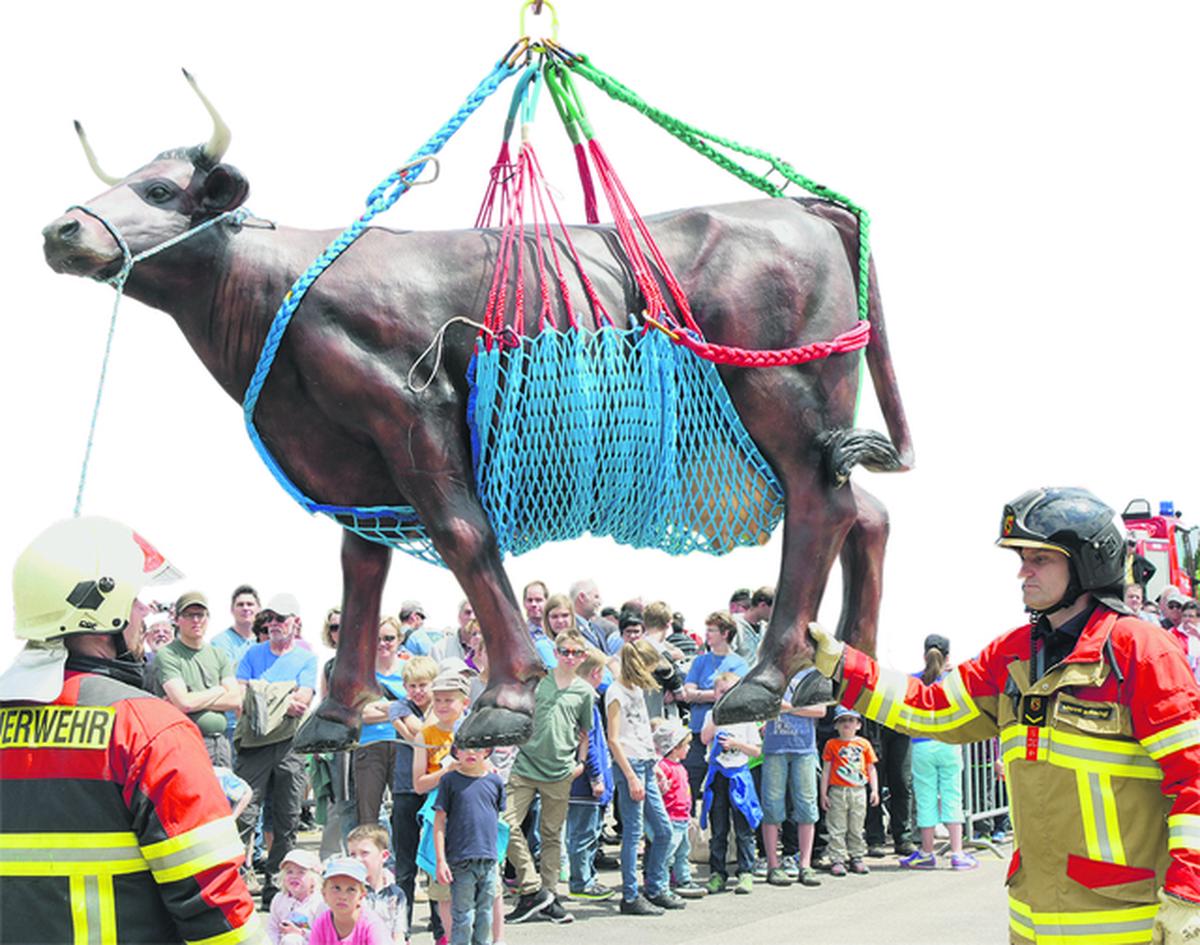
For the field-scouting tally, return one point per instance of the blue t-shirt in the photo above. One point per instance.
(297, 665)
(791, 734)
(472, 806)
(544, 646)
(402, 782)
(420, 642)
(393, 688)
(705, 668)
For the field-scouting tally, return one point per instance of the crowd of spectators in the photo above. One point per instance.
(624, 753)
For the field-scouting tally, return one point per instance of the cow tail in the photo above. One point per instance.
(883, 377)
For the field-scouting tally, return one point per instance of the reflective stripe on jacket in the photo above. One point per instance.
(113, 828)
(1103, 769)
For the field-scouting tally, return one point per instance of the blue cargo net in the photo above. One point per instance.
(614, 432)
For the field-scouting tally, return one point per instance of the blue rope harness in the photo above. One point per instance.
(396, 526)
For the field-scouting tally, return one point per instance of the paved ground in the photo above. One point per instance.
(891, 906)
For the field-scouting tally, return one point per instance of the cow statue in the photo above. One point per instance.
(341, 421)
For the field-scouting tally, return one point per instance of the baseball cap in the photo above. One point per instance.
(188, 599)
(305, 859)
(156, 618)
(841, 712)
(345, 866)
(284, 604)
(452, 664)
(668, 735)
(1172, 593)
(447, 680)
(410, 607)
(938, 642)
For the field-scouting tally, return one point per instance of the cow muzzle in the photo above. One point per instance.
(73, 247)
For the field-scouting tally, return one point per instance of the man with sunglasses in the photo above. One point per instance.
(265, 760)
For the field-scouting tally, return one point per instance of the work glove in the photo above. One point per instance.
(1177, 921)
(827, 650)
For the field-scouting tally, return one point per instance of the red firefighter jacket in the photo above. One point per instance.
(113, 828)
(1102, 759)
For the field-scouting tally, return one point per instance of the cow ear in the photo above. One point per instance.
(224, 189)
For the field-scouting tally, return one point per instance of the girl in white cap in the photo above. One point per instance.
(298, 902)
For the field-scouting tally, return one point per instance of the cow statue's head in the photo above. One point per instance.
(173, 193)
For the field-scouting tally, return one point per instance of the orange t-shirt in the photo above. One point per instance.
(849, 760)
(437, 746)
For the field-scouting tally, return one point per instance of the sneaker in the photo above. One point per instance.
(606, 861)
(904, 848)
(858, 866)
(639, 906)
(877, 851)
(760, 868)
(597, 892)
(918, 860)
(253, 883)
(791, 866)
(808, 876)
(837, 868)
(821, 862)
(778, 877)
(667, 900)
(690, 890)
(745, 884)
(715, 884)
(556, 913)
(999, 837)
(963, 861)
(529, 905)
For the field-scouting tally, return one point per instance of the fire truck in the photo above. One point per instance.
(1167, 543)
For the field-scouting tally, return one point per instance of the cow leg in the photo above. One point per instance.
(336, 722)
(815, 525)
(862, 572)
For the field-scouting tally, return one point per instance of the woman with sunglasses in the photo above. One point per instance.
(375, 758)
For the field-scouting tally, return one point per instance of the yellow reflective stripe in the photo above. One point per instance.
(250, 932)
(108, 910)
(1103, 755)
(1112, 822)
(1183, 832)
(1103, 927)
(1175, 738)
(1087, 814)
(194, 851)
(888, 707)
(68, 841)
(79, 915)
(1013, 741)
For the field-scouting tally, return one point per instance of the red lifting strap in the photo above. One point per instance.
(857, 337)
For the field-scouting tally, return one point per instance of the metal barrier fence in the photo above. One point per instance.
(985, 794)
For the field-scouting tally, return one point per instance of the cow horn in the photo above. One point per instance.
(218, 144)
(91, 158)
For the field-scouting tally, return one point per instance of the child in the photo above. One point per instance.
(590, 791)
(368, 843)
(789, 769)
(408, 718)
(672, 741)
(346, 922)
(298, 903)
(730, 749)
(638, 798)
(470, 801)
(848, 772)
(432, 761)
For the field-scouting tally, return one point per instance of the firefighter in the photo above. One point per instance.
(112, 825)
(1098, 717)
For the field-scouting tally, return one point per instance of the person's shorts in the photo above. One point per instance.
(789, 777)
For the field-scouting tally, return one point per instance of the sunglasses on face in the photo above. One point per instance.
(273, 620)
(1174, 605)
(570, 654)
(388, 639)
(335, 627)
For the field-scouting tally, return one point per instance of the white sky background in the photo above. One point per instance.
(1029, 167)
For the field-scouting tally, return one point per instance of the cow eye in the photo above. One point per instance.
(159, 193)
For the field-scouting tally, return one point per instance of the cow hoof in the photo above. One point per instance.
(332, 727)
(749, 701)
(503, 715)
(491, 726)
